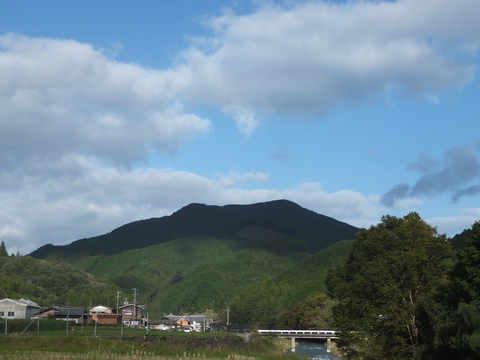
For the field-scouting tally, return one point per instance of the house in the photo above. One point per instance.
(132, 315)
(109, 319)
(104, 315)
(162, 324)
(66, 313)
(18, 309)
(100, 309)
(197, 322)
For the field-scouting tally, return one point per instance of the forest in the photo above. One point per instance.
(405, 293)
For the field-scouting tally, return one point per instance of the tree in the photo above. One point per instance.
(3, 250)
(460, 329)
(387, 289)
(314, 312)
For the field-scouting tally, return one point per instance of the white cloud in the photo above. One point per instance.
(316, 55)
(452, 225)
(62, 96)
(233, 177)
(244, 118)
(73, 120)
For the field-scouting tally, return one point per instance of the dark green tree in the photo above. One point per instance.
(460, 328)
(315, 312)
(387, 289)
(3, 250)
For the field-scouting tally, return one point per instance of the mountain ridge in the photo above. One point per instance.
(263, 225)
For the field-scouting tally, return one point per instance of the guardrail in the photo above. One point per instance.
(299, 333)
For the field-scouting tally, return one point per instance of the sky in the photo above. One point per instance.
(114, 111)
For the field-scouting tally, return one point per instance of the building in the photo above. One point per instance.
(100, 309)
(109, 319)
(66, 313)
(133, 315)
(162, 324)
(197, 322)
(18, 309)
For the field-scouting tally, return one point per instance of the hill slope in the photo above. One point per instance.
(190, 274)
(265, 303)
(49, 283)
(276, 225)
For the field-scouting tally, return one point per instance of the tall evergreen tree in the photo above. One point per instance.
(3, 250)
(461, 329)
(387, 289)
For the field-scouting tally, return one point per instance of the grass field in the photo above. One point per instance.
(81, 344)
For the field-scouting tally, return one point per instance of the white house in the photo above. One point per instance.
(100, 309)
(18, 309)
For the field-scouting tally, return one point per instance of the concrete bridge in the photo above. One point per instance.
(326, 335)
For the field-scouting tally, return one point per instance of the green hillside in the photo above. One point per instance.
(265, 304)
(189, 275)
(49, 283)
(214, 257)
(275, 226)
(195, 274)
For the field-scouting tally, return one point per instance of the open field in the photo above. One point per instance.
(162, 346)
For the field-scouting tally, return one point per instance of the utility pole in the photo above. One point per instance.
(228, 315)
(118, 297)
(135, 305)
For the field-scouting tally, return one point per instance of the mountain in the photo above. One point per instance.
(279, 225)
(210, 257)
(49, 283)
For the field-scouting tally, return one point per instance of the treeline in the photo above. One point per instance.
(49, 283)
(405, 293)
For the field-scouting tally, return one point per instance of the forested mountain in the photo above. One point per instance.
(49, 283)
(203, 257)
(275, 226)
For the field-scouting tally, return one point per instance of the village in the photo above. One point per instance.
(131, 315)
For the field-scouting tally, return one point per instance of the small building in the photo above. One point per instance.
(197, 322)
(66, 313)
(18, 309)
(162, 324)
(109, 319)
(98, 312)
(100, 309)
(133, 315)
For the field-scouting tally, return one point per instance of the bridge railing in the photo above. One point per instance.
(320, 333)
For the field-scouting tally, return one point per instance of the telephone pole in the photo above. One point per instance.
(118, 297)
(135, 305)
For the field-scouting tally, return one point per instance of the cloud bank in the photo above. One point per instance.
(75, 122)
(316, 55)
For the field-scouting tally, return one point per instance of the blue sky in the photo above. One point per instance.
(115, 111)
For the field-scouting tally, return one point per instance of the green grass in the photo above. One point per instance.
(173, 346)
